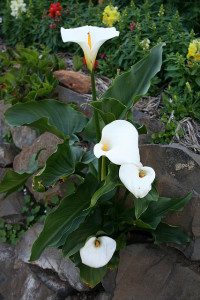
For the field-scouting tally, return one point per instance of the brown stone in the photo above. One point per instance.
(46, 140)
(147, 272)
(75, 81)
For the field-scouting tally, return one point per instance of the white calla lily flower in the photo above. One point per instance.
(97, 252)
(119, 143)
(137, 179)
(90, 38)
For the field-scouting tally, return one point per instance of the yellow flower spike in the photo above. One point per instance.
(105, 148)
(90, 38)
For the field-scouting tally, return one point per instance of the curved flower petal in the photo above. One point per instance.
(89, 43)
(97, 251)
(119, 143)
(136, 179)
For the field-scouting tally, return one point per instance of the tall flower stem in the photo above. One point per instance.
(96, 119)
(103, 168)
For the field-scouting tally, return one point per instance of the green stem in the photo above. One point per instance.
(103, 168)
(96, 120)
(124, 199)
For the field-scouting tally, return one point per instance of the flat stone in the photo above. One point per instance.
(7, 154)
(11, 207)
(103, 296)
(68, 96)
(46, 140)
(51, 259)
(75, 81)
(147, 272)
(23, 136)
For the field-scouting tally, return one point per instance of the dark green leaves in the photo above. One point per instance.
(112, 180)
(109, 109)
(59, 164)
(77, 239)
(48, 115)
(91, 276)
(158, 210)
(66, 218)
(137, 81)
(141, 204)
(168, 233)
(12, 181)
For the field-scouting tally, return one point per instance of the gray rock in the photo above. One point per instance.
(152, 125)
(16, 279)
(7, 154)
(147, 272)
(23, 136)
(51, 259)
(68, 96)
(109, 281)
(103, 296)
(11, 207)
(177, 173)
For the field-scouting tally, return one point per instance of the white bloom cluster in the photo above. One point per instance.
(145, 44)
(17, 7)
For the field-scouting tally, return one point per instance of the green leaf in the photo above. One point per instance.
(48, 115)
(159, 209)
(76, 240)
(111, 181)
(167, 233)
(59, 164)
(136, 82)
(70, 213)
(141, 204)
(12, 181)
(92, 276)
(109, 109)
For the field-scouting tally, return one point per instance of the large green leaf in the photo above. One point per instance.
(12, 181)
(48, 115)
(136, 82)
(91, 276)
(67, 217)
(109, 109)
(141, 204)
(112, 180)
(167, 233)
(159, 209)
(76, 240)
(59, 164)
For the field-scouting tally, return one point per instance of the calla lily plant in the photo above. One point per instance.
(91, 221)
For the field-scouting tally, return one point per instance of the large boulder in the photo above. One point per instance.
(177, 173)
(51, 259)
(147, 272)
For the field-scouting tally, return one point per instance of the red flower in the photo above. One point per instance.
(52, 26)
(55, 9)
(95, 64)
(132, 26)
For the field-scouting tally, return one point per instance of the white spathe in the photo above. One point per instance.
(121, 139)
(98, 35)
(129, 174)
(97, 257)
